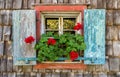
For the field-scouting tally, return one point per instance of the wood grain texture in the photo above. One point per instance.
(114, 64)
(60, 1)
(109, 17)
(9, 64)
(12, 74)
(94, 35)
(25, 4)
(1, 48)
(6, 33)
(2, 3)
(17, 4)
(46, 1)
(60, 66)
(30, 3)
(24, 26)
(116, 15)
(3, 66)
(8, 4)
(1, 32)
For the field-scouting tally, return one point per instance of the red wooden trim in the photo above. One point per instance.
(60, 8)
(56, 8)
(60, 66)
(38, 21)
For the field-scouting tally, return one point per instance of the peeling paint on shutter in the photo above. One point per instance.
(94, 34)
(24, 25)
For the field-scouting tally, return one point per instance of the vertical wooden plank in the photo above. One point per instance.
(78, 75)
(1, 32)
(5, 74)
(2, 3)
(3, 64)
(94, 28)
(63, 74)
(109, 4)
(114, 64)
(100, 4)
(8, 4)
(25, 4)
(46, 1)
(20, 74)
(6, 33)
(55, 75)
(1, 75)
(109, 17)
(9, 64)
(13, 74)
(93, 3)
(54, 1)
(30, 3)
(1, 48)
(116, 48)
(87, 74)
(17, 4)
(37, 1)
(80, 1)
(26, 74)
(109, 48)
(8, 48)
(60, 1)
(118, 4)
(102, 74)
(27, 68)
(66, 1)
(87, 2)
(33, 74)
(6, 16)
(24, 26)
(48, 74)
(39, 74)
(72, 1)
(116, 17)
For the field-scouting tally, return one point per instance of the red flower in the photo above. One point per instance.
(78, 26)
(29, 39)
(73, 55)
(51, 41)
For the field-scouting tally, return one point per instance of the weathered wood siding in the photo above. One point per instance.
(111, 68)
(94, 35)
(23, 27)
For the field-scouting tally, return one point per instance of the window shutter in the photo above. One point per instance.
(24, 25)
(94, 34)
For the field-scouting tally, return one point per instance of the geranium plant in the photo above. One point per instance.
(52, 46)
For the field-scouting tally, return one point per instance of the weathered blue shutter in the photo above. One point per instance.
(94, 34)
(24, 25)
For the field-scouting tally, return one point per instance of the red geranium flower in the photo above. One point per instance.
(29, 39)
(78, 26)
(73, 55)
(51, 41)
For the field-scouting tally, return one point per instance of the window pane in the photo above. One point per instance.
(69, 23)
(52, 23)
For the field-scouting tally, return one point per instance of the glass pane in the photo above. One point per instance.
(52, 23)
(68, 23)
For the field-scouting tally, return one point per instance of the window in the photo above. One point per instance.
(60, 23)
(25, 24)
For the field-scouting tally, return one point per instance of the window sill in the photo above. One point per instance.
(76, 66)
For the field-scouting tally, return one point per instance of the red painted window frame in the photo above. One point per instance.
(57, 8)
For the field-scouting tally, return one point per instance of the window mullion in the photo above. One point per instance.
(60, 25)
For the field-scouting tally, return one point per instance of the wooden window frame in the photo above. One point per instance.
(60, 16)
(57, 8)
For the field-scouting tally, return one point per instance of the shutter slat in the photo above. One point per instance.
(24, 25)
(94, 34)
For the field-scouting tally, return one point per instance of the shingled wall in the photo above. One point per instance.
(110, 69)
